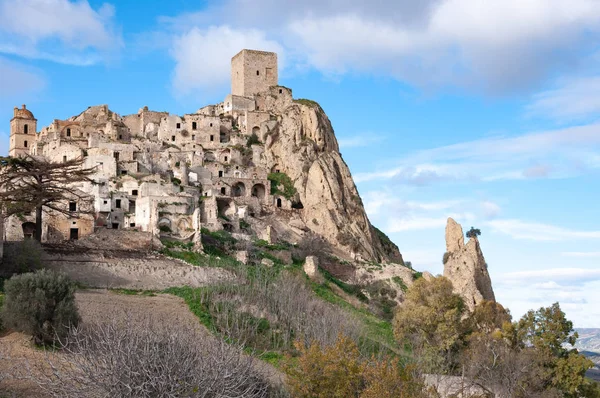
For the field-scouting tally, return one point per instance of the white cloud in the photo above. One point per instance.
(397, 215)
(490, 209)
(581, 254)
(203, 56)
(18, 80)
(58, 30)
(570, 151)
(518, 229)
(497, 46)
(574, 99)
(566, 276)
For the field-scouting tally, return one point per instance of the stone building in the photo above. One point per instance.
(23, 127)
(168, 174)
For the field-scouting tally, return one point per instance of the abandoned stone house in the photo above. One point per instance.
(164, 173)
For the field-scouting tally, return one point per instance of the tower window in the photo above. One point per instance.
(172, 138)
(225, 158)
(211, 125)
(118, 203)
(257, 73)
(280, 91)
(212, 137)
(25, 144)
(193, 137)
(223, 191)
(134, 192)
(194, 125)
(178, 125)
(220, 173)
(25, 129)
(72, 206)
(116, 156)
(68, 132)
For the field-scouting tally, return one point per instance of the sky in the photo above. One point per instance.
(484, 111)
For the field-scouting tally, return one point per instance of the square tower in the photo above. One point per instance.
(253, 72)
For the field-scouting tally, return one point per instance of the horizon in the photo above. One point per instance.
(509, 147)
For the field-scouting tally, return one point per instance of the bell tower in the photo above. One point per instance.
(23, 128)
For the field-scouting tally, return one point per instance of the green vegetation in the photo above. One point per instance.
(473, 232)
(134, 292)
(164, 228)
(389, 247)
(307, 102)
(533, 357)
(281, 184)
(417, 276)
(352, 290)
(21, 257)
(41, 304)
(339, 370)
(398, 281)
(176, 181)
(244, 225)
(252, 140)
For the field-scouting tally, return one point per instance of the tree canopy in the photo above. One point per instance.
(35, 184)
(473, 232)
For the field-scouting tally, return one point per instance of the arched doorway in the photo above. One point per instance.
(258, 191)
(278, 202)
(164, 225)
(28, 230)
(256, 130)
(238, 189)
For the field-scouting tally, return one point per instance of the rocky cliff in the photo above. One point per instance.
(303, 145)
(465, 266)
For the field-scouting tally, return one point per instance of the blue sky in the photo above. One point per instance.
(486, 111)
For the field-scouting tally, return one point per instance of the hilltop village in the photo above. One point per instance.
(165, 173)
(258, 165)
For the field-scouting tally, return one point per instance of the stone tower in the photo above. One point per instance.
(253, 72)
(23, 128)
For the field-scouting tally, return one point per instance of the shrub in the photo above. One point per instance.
(398, 281)
(245, 225)
(473, 232)
(252, 140)
(281, 184)
(310, 245)
(144, 358)
(41, 304)
(340, 371)
(21, 257)
(445, 258)
(164, 228)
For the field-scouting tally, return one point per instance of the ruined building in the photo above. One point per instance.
(214, 168)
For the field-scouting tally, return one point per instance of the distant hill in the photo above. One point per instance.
(588, 344)
(589, 340)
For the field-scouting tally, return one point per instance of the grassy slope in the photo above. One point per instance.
(378, 332)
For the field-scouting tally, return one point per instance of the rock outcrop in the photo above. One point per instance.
(465, 266)
(303, 145)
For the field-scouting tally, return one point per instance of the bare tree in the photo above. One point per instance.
(142, 358)
(35, 184)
